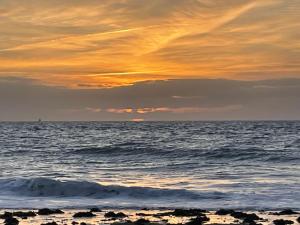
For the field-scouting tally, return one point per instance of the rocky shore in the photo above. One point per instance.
(95, 216)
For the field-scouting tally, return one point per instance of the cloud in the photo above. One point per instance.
(115, 43)
(112, 110)
(94, 110)
(186, 110)
(22, 99)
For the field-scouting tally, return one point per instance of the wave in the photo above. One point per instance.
(45, 187)
(125, 149)
(231, 153)
(106, 150)
(237, 153)
(41, 192)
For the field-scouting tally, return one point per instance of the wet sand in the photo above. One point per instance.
(147, 217)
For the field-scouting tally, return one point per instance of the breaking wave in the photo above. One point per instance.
(45, 187)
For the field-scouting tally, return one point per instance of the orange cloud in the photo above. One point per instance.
(107, 44)
(111, 110)
(151, 110)
(94, 110)
(175, 110)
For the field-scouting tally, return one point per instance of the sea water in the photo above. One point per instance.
(250, 165)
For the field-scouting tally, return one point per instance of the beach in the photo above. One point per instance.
(148, 216)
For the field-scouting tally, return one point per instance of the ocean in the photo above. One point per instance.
(209, 165)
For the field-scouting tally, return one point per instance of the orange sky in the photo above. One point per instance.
(92, 43)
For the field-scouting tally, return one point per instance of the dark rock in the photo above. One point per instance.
(50, 223)
(183, 212)
(115, 215)
(252, 216)
(74, 223)
(123, 223)
(6, 215)
(222, 212)
(83, 223)
(250, 221)
(298, 219)
(95, 210)
(24, 215)
(245, 216)
(138, 222)
(239, 215)
(47, 211)
(189, 212)
(83, 214)
(199, 220)
(141, 222)
(286, 212)
(11, 221)
(282, 222)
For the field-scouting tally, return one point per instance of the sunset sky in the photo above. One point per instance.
(86, 49)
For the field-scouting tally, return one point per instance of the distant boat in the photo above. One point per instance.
(39, 120)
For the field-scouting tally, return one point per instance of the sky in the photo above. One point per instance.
(149, 60)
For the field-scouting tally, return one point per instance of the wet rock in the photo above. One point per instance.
(83, 223)
(24, 215)
(122, 223)
(245, 216)
(50, 223)
(238, 215)
(95, 210)
(114, 215)
(298, 219)
(183, 212)
(6, 215)
(286, 212)
(74, 223)
(138, 222)
(199, 220)
(222, 212)
(250, 221)
(83, 214)
(11, 221)
(46, 211)
(142, 222)
(189, 212)
(282, 222)
(248, 218)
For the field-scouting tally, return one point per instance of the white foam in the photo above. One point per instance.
(44, 192)
(45, 187)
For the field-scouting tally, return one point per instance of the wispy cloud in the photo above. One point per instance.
(126, 110)
(112, 43)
